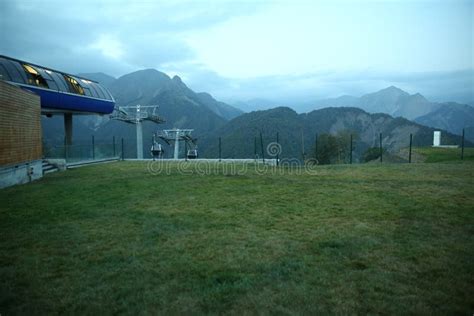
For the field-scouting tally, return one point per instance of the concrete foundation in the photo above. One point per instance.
(58, 163)
(21, 173)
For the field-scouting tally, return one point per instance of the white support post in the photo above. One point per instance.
(139, 134)
(136, 117)
(139, 140)
(436, 138)
(176, 145)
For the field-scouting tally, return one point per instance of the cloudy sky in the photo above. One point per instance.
(288, 51)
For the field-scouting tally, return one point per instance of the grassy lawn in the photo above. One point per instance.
(115, 238)
(440, 154)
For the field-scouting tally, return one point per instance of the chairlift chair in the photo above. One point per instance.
(157, 150)
(192, 154)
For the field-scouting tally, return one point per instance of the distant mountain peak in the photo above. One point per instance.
(419, 96)
(178, 82)
(393, 89)
(147, 73)
(150, 86)
(282, 109)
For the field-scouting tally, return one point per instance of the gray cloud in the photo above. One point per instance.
(115, 37)
(294, 90)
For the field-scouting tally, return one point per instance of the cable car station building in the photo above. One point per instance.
(28, 91)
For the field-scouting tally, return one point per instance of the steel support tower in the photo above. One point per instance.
(135, 114)
(175, 136)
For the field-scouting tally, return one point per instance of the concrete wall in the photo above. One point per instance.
(20, 135)
(21, 173)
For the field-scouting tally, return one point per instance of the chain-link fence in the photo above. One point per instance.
(344, 148)
(321, 148)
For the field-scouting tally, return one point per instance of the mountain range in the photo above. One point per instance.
(183, 108)
(450, 116)
(297, 132)
(391, 100)
(394, 101)
(145, 86)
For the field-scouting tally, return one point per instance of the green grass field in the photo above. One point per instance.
(430, 155)
(441, 154)
(360, 239)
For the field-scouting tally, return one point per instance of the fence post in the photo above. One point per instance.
(462, 145)
(350, 159)
(255, 148)
(123, 157)
(278, 154)
(152, 146)
(409, 152)
(381, 149)
(113, 141)
(302, 147)
(220, 149)
(93, 148)
(185, 150)
(261, 145)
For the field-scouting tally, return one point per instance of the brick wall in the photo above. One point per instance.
(20, 125)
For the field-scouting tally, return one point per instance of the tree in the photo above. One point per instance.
(372, 153)
(327, 149)
(332, 148)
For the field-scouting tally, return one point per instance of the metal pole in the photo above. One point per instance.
(139, 140)
(123, 157)
(113, 141)
(220, 149)
(409, 152)
(381, 150)
(152, 146)
(350, 161)
(138, 122)
(462, 145)
(302, 145)
(278, 154)
(185, 151)
(255, 148)
(261, 145)
(93, 148)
